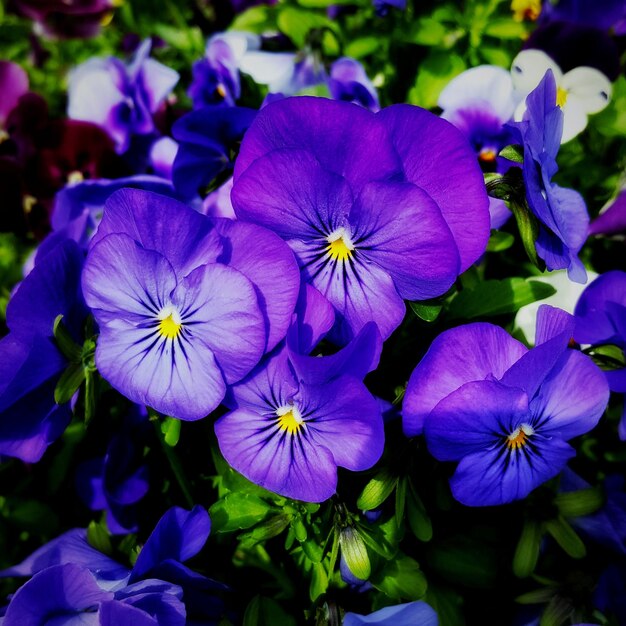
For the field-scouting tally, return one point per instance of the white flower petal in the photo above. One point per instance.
(574, 119)
(268, 68)
(529, 67)
(591, 88)
(240, 42)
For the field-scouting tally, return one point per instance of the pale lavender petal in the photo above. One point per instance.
(156, 80)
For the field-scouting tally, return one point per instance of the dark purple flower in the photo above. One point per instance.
(185, 305)
(611, 221)
(601, 319)
(118, 97)
(562, 214)
(349, 82)
(208, 140)
(296, 417)
(60, 18)
(362, 200)
(608, 15)
(13, 85)
(503, 411)
(30, 362)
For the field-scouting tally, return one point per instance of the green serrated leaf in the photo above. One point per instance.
(69, 383)
(513, 153)
(499, 241)
(401, 579)
(354, 552)
(497, 297)
(566, 537)
(527, 550)
(425, 310)
(377, 490)
(238, 511)
(579, 503)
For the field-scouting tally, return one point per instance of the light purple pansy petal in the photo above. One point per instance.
(409, 614)
(400, 228)
(573, 397)
(345, 139)
(114, 613)
(289, 192)
(269, 264)
(551, 322)
(474, 418)
(315, 317)
(291, 466)
(453, 360)
(487, 478)
(438, 158)
(184, 236)
(68, 590)
(157, 80)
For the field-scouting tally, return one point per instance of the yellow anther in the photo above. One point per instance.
(289, 419)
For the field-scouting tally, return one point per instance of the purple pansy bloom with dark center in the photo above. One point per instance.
(296, 417)
(504, 412)
(562, 214)
(363, 201)
(30, 362)
(121, 98)
(185, 305)
(601, 319)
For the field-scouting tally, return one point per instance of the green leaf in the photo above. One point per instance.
(401, 579)
(65, 341)
(312, 549)
(428, 32)
(377, 490)
(499, 241)
(497, 297)
(528, 227)
(557, 612)
(362, 47)
(255, 20)
(513, 153)
(612, 121)
(266, 612)
(566, 537)
(238, 511)
(354, 552)
(435, 72)
(495, 54)
(99, 538)
(425, 310)
(271, 527)
(527, 550)
(297, 23)
(579, 503)
(419, 521)
(319, 581)
(170, 427)
(382, 538)
(69, 383)
(505, 28)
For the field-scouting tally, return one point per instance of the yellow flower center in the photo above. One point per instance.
(561, 96)
(221, 90)
(75, 177)
(519, 437)
(289, 419)
(170, 323)
(487, 155)
(340, 246)
(525, 9)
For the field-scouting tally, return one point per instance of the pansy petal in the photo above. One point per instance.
(269, 264)
(178, 535)
(492, 477)
(157, 80)
(409, 614)
(400, 228)
(438, 158)
(315, 317)
(290, 465)
(268, 68)
(184, 236)
(468, 353)
(551, 322)
(574, 119)
(590, 87)
(574, 397)
(290, 193)
(476, 417)
(529, 67)
(219, 307)
(13, 84)
(62, 589)
(114, 613)
(345, 139)
(612, 218)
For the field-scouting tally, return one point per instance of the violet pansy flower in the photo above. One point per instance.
(562, 214)
(362, 201)
(185, 306)
(349, 82)
(295, 418)
(119, 97)
(504, 412)
(601, 319)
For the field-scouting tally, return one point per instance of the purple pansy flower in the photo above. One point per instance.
(30, 362)
(612, 219)
(601, 319)
(296, 417)
(91, 588)
(409, 614)
(362, 200)
(185, 305)
(503, 411)
(208, 139)
(562, 214)
(118, 97)
(349, 82)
